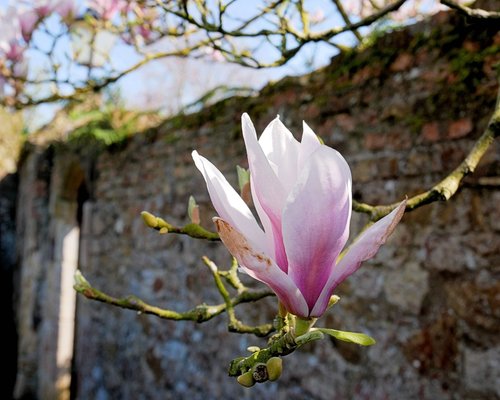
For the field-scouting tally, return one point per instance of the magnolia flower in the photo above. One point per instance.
(302, 195)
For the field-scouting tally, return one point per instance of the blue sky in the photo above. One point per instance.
(191, 78)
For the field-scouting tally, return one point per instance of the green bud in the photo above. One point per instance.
(253, 349)
(193, 210)
(163, 230)
(274, 368)
(149, 219)
(246, 379)
(333, 300)
(243, 177)
(259, 372)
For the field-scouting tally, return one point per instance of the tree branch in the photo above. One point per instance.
(475, 13)
(445, 189)
(233, 323)
(194, 230)
(200, 313)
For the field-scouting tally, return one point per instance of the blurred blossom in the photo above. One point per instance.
(213, 54)
(28, 21)
(20, 69)
(10, 34)
(107, 9)
(67, 9)
(317, 16)
(14, 52)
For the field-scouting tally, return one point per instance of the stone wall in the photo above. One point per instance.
(404, 112)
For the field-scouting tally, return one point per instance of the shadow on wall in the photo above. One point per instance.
(8, 282)
(48, 257)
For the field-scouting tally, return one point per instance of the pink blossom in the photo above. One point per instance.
(317, 16)
(10, 35)
(67, 9)
(28, 21)
(14, 52)
(302, 195)
(107, 9)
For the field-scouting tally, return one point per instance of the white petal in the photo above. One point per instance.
(267, 190)
(282, 151)
(308, 145)
(228, 203)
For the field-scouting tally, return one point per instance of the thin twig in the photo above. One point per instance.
(445, 189)
(475, 13)
(233, 323)
(200, 313)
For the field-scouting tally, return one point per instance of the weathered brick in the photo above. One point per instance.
(460, 128)
(430, 132)
(403, 62)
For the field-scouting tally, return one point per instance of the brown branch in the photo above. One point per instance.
(360, 24)
(346, 19)
(475, 13)
(445, 189)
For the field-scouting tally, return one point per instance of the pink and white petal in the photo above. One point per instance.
(267, 189)
(363, 248)
(266, 183)
(274, 238)
(261, 267)
(316, 221)
(282, 151)
(228, 203)
(308, 145)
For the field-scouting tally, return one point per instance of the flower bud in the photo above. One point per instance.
(246, 379)
(259, 372)
(193, 211)
(149, 219)
(274, 368)
(333, 300)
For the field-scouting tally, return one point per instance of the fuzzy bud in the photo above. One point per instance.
(274, 368)
(246, 379)
(149, 219)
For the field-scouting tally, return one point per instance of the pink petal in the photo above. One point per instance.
(227, 202)
(316, 221)
(28, 21)
(364, 248)
(267, 189)
(261, 267)
(282, 151)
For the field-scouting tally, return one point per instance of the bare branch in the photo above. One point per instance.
(475, 13)
(346, 19)
(445, 189)
(200, 313)
(233, 323)
(194, 230)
